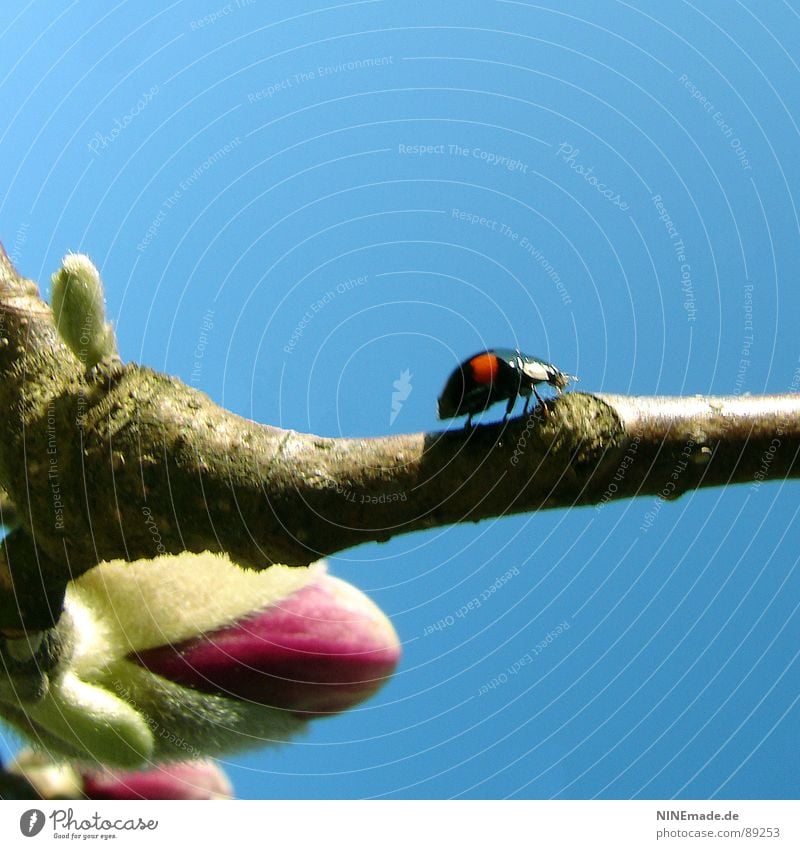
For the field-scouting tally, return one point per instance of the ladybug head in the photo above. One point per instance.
(560, 379)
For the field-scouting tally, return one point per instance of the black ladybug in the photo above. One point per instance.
(499, 374)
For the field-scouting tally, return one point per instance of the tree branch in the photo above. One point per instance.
(8, 511)
(119, 461)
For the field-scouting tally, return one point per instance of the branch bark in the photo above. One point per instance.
(123, 462)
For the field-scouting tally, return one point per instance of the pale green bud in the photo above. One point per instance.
(79, 309)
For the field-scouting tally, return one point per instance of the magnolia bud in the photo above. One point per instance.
(191, 780)
(79, 310)
(181, 657)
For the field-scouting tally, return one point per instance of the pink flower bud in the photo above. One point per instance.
(322, 649)
(189, 656)
(193, 780)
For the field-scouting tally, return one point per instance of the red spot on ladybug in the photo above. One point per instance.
(500, 374)
(485, 368)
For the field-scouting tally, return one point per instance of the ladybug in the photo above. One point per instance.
(498, 374)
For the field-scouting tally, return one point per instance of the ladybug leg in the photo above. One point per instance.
(527, 402)
(468, 425)
(510, 406)
(541, 403)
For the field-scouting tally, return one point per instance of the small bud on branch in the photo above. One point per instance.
(79, 310)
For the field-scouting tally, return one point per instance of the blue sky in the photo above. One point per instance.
(612, 187)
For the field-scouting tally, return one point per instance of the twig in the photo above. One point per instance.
(123, 462)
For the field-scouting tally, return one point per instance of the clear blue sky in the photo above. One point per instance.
(610, 186)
